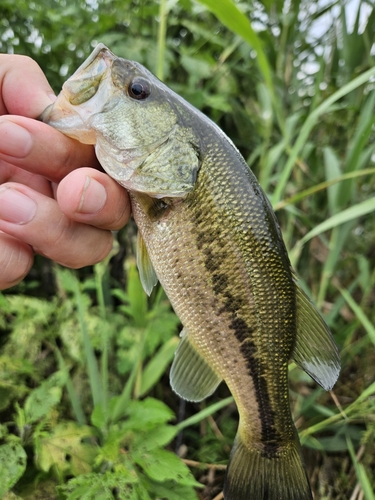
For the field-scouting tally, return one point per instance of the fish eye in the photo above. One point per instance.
(139, 89)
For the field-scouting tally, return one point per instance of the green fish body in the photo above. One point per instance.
(208, 233)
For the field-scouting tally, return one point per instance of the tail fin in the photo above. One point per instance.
(251, 476)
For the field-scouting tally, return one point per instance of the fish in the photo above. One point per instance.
(208, 233)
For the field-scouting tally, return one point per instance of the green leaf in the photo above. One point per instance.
(163, 465)
(156, 438)
(101, 486)
(196, 66)
(333, 170)
(63, 448)
(12, 465)
(97, 392)
(147, 414)
(42, 399)
(99, 417)
(173, 491)
(136, 296)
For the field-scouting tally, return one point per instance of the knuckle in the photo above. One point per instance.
(62, 233)
(77, 245)
(72, 155)
(92, 255)
(66, 156)
(16, 259)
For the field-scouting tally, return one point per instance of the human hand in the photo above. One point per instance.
(48, 204)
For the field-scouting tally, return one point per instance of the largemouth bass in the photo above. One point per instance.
(208, 232)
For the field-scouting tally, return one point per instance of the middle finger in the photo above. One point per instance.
(39, 148)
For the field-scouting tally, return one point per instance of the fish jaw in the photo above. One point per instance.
(83, 96)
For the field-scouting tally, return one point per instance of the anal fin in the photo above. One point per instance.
(315, 350)
(191, 376)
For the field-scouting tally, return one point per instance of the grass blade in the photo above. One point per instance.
(350, 213)
(361, 473)
(347, 215)
(337, 241)
(320, 187)
(123, 399)
(310, 123)
(230, 15)
(157, 365)
(358, 311)
(74, 399)
(195, 419)
(91, 363)
(333, 170)
(320, 426)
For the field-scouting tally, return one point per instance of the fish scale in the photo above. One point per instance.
(192, 222)
(209, 234)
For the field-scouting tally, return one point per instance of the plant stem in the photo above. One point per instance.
(162, 32)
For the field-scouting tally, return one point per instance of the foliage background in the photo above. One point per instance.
(84, 356)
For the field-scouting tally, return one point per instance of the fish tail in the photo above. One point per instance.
(253, 476)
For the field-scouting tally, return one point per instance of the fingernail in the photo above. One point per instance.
(15, 140)
(16, 207)
(93, 197)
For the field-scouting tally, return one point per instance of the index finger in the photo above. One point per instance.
(38, 148)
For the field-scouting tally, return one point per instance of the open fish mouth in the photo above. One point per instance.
(82, 96)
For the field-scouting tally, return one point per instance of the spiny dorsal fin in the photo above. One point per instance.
(146, 269)
(315, 350)
(191, 377)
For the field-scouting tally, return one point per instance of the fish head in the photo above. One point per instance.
(138, 125)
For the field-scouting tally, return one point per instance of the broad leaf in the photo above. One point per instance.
(12, 465)
(163, 465)
(64, 449)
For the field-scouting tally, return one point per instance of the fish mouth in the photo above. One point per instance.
(101, 56)
(82, 96)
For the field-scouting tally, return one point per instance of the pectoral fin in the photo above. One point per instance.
(315, 350)
(191, 376)
(146, 269)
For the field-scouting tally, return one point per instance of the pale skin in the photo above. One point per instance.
(53, 199)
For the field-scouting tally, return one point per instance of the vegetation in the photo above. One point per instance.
(86, 411)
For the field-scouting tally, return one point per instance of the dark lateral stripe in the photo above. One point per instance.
(270, 436)
(205, 235)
